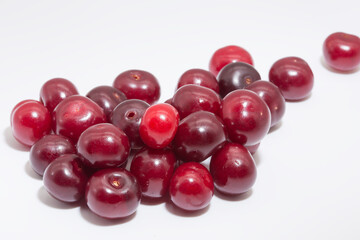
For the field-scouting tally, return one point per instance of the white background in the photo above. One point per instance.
(308, 168)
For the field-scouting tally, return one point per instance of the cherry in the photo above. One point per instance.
(138, 84)
(233, 169)
(47, 149)
(342, 51)
(246, 117)
(113, 193)
(107, 98)
(153, 169)
(252, 149)
(30, 121)
(199, 77)
(226, 55)
(18, 105)
(103, 146)
(293, 76)
(159, 125)
(55, 90)
(74, 115)
(273, 98)
(199, 135)
(191, 187)
(168, 101)
(65, 179)
(192, 98)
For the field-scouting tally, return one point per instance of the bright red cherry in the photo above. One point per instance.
(113, 193)
(65, 179)
(233, 169)
(19, 104)
(293, 76)
(138, 84)
(252, 149)
(30, 121)
(342, 51)
(191, 187)
(246, 117)
(103, 146)
(74, 115)
(159, 125)
(192, 98)
(153, 169)
(55, 90)
(226, 55)
(199, 77)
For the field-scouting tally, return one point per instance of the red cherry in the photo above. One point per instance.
(199, 77)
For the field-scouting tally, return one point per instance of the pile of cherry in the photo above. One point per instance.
(81, 145)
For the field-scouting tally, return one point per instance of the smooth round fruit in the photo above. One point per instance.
(199, 77)
(273, 98)
(103, 146)
(226, 55)
(199, 135)
(293, 76)
(55, 90)
(253, 148)
(18, 105)
(47, 149)
(113, 193)
(235, 76)
(233, 169)
(138, 84)
(246, 117)
(65, 179)
(342, 51)
(159, 125)
(191, 187)
(74, 115)
(153, 169)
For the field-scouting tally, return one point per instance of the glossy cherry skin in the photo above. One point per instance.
(233, 169)
(65, 178)
(107, 98)
(55, 90)
(74, 115)
(273, 98)
(246, 117)
(47, 149)
(293, 76)
(191, 187)
(199, 77)
(342, 51)
(253, 149)
(19, 104)
(103, 146)
(153, 169)
(30, 121)
(199, 135)
(159, 125)
(113, 193)
(192, 98)
(138, 84)
(226, 55)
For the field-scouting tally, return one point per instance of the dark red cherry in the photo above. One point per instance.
(253, 148)
(246, 117)
(103, 146)
(137, 84)
(293, 76)
(74, 115)
(235, 76)
(113, 193)
(192, 98)
(273, 98)
(55, 90)
(30, 121)
(153, 169)
(233, 169)
(159, 125)
(107, 98)
(168, 101)
(199, 77)
(65, 179)
(191, 187)
(47, 149)
(226, 55)
(199, 135)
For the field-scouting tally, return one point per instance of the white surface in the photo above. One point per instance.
(308, 172)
